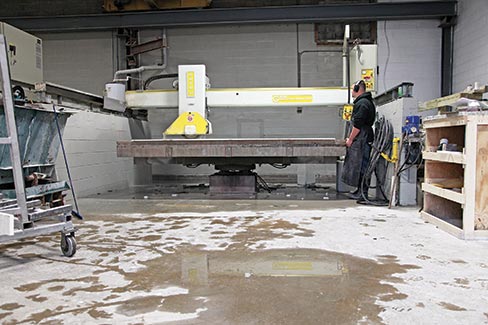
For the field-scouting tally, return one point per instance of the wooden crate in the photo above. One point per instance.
(456, 183)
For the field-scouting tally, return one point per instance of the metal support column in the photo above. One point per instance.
(12, 140)
(447, 26)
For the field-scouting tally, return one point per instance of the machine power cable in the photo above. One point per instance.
(157, 77)
(417, 161)
(263, 184)
(382, 143)
(279, 166)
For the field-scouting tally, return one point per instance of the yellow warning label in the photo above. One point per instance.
(298, 266)
(368, 76)
(283, 99)
(347, 112)
(190, 84)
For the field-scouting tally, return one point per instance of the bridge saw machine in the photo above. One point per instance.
(235, 159)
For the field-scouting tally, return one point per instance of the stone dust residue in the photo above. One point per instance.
(238, 283)
(452, 307)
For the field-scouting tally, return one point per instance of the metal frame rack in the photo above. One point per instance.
(20, 217)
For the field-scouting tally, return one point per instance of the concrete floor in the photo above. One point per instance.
(246, 262)
(201, 192)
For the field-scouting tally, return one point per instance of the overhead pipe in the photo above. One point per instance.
(299, 60)
(346, 73)
(344, 56)
(140, 70)
(345, 60)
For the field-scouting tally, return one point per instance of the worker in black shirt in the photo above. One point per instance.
(359, 141)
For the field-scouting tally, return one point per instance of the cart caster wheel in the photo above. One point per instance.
(68, 245)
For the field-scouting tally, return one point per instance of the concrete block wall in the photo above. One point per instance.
(250, 56)
(90, 142)
(471, 44)
(85, 61)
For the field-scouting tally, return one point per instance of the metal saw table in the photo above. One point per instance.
(236, 158)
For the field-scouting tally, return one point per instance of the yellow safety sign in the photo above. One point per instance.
(190, 84)
(347, 112)
(284, 99)
(368, 76)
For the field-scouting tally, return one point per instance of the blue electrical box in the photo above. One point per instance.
(412, 124)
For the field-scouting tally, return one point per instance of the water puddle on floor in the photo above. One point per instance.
(129, 278)
(270, 286)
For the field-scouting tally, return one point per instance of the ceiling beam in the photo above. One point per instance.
(232, 16)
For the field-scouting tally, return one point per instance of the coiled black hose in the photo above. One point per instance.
(382, 143)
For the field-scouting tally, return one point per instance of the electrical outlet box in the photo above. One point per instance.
(24, 53)
(363, 63)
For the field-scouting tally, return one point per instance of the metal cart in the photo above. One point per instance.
(26, 215)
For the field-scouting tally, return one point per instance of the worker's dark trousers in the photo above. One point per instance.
(364, 166)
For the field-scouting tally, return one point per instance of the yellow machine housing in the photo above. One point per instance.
(191, 103)
(189, 124)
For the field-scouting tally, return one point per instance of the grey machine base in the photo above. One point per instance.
(233, 185)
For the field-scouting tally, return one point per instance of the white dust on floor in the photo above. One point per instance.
(450, 285)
